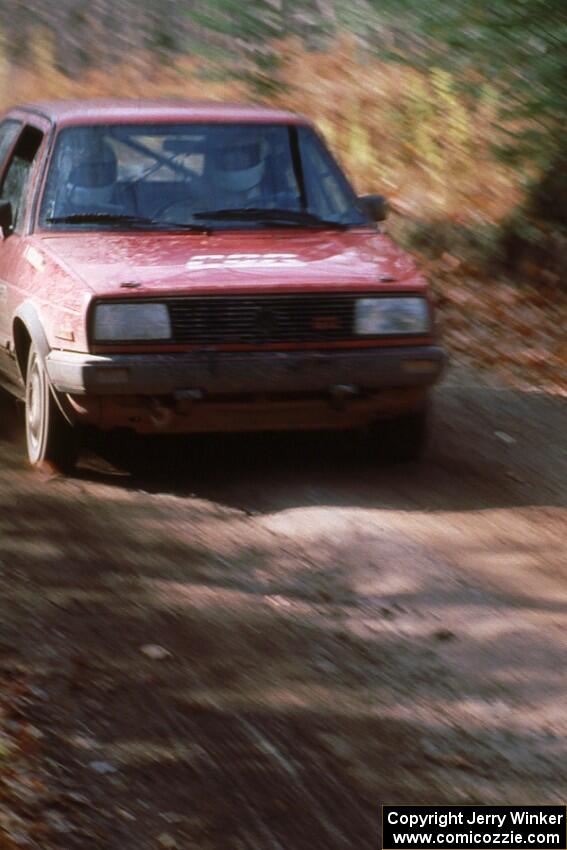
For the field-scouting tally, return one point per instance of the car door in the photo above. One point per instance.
(16, 185)
(9, 132)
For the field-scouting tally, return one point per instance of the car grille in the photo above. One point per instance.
(262, 319)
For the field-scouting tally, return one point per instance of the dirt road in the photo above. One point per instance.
(339, 634)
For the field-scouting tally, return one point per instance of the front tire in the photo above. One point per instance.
(50, 440)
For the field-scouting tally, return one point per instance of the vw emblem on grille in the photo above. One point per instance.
(265, 322)
(326, 323)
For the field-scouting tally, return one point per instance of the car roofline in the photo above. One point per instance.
(88, 112)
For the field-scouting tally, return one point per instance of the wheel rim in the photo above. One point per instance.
(34, 410)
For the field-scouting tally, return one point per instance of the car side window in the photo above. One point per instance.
(9, 129)
(17, 176)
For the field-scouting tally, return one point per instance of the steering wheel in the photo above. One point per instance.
(164, 211)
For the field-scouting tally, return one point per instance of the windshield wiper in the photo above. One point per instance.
(86, 218)
(276, 216)
(119, 218)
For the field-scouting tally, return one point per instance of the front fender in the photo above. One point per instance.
(27, 322)
(26, 318)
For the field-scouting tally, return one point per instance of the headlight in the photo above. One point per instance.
(389, 316)
(131, 322)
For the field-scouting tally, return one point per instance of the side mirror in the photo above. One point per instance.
(6, 218)
(374, 206)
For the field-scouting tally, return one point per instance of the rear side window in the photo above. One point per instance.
(8, 131)
(17, 176)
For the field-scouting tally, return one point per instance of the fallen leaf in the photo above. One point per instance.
(102, 767)
(506, 438)
(155, 652)
(444, 634)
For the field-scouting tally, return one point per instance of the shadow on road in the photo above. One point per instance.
(489, 448)
(299, 693)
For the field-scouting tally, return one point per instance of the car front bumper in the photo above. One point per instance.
(255, 391)
(204, 373)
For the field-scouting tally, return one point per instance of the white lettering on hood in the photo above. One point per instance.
(219, 261)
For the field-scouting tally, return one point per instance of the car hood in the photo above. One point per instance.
(172, 264)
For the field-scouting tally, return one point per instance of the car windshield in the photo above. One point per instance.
(195, 176)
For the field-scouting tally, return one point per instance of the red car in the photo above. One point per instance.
(192, 267)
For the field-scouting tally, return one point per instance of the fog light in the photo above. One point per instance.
(109, 377)
(419, 367)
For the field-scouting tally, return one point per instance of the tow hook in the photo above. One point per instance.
(160, 415)
(341, 394)
(193, 394)
(185, 399)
